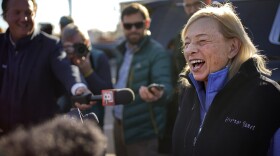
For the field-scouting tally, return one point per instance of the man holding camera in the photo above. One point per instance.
(92, 63)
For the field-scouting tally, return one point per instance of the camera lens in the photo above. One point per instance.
(80, 49)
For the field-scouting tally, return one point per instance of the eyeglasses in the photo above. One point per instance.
(137, 25)
(196, 4)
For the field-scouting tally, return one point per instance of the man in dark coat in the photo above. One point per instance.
(33, 69)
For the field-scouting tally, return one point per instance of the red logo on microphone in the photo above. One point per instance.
(108, 98)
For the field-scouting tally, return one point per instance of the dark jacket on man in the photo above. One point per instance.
(151, 63)
(32, 74)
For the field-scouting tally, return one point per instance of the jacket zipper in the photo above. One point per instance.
(152, 115)
(188, 126)
(199, 130)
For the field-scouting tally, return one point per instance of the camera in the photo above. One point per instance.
(80, 49)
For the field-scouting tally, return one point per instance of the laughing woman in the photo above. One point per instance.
(228, 106)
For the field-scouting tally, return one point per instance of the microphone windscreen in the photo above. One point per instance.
(123, 96)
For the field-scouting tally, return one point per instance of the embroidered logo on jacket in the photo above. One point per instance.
(4, 66)
(242, 124)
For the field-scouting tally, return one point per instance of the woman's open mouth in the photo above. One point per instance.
(196, 64)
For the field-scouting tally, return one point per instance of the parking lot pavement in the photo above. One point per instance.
(108, 130)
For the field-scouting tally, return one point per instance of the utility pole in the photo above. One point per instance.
(70, 7)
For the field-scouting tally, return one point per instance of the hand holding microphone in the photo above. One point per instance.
(108, 97)
(83, 105)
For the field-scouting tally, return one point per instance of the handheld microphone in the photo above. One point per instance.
(108, 97)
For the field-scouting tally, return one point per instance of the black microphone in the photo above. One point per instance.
(109, 97)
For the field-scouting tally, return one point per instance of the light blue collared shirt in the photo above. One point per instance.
(123, 75)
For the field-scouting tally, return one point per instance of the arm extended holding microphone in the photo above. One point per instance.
(108, 97)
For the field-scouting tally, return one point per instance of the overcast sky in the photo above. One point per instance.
(87, 14)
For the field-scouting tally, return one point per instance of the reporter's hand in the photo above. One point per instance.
(148, 96)
(83, 106)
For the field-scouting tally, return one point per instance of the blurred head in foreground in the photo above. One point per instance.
(62, 135)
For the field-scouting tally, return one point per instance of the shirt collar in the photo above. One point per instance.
(216, 80)
(23, 41)
(11, 40)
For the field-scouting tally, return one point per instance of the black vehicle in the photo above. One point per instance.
(260, 17)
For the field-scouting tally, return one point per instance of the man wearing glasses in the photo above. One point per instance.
(143, 61)
(191, 6)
